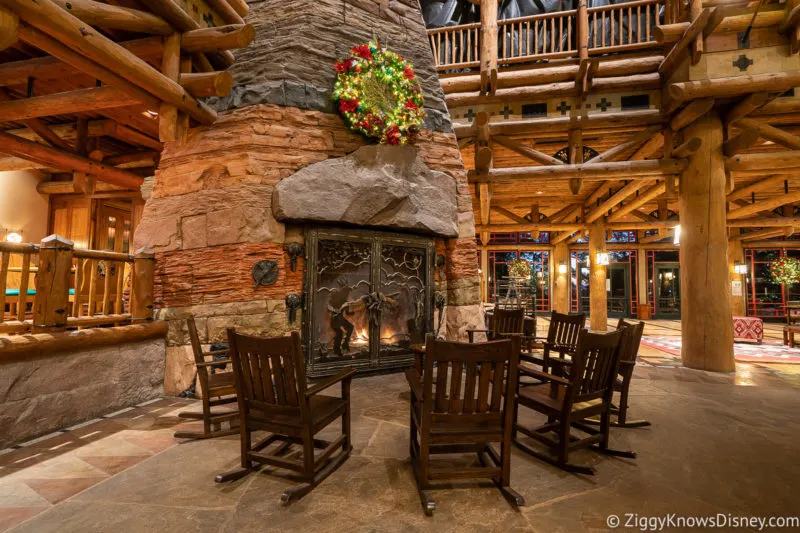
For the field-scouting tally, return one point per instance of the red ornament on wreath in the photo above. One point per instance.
(378, 94)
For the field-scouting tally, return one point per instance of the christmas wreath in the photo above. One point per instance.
(519, 268)
(378, 94)
(785, 270)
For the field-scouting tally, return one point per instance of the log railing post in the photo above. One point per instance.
(50, 305)
(583, 31)
(142, 285)
(489, 46)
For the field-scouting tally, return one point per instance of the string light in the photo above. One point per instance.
(378, 94)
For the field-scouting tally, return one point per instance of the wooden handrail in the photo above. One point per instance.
(73, 288)
(559, 34)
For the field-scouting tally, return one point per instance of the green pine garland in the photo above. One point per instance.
(378, 94)
(785, 270)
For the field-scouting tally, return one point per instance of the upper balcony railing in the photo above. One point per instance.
(610, 29)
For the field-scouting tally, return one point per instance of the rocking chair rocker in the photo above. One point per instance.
(456, 413)
(568, 402)
(273, 397)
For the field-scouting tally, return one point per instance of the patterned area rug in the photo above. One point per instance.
(766, 352)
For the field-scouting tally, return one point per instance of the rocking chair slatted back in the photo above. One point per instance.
(629, 347)
(197, 350)
(564, 329)
(470, 381)
(505, 321)
(269, 373)
(595, 364)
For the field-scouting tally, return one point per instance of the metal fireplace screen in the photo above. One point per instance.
(369, 298)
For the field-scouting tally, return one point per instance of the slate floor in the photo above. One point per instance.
(718, 444)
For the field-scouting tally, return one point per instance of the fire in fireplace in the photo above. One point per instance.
(369, 297)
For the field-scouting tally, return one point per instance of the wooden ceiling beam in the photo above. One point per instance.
(746, 106)
(240, 6)
(509, 214)
(224, 9)
(56, 158)
(647, 169)
(115, 17)
(679, 51)
(70, 31)
(764, 205)
(66, 103)
(527, 151)
(648, 196)
(528, 226)
(765, 162)
(771, 133)
(734, 86)
(661, 235)
(52, 68)
(9, 28)
(764, 222)
(740, 142)
(218, 38)
(763, 234)
(617, 198)
(768, 183)
(634, 140)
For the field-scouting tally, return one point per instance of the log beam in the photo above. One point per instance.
(764, 205)
(55, 158)
(764, 162)
(9, 28)
(201, 84)
(646, 169)
(66, 103)
(529, 227)
(763, 234)
(687, 148)
(734, 86)
(527, 151)
(740, 142)
(115, 17)
(749, 104)
(678, 51)
(765, 222)
(218, 38)
(648, 196)
(690, 113)
(767, 183)
(771, 133)
(634, 140)
(49, 18)
(488, 58)
(617, 198)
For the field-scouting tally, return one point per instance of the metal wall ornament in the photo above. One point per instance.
(294, 250)
(440, 303)
(265, 273)
(440, 262)
(293, 303)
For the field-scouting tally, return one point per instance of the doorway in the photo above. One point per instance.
(618, 290)
(667, 283)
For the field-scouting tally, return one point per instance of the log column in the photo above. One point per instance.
(598, 306)
(706, 325)
(736, 253)
(488, 46)
(560, 281)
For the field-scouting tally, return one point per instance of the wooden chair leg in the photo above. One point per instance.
(622, 415)
(603, 447)
(425, 498)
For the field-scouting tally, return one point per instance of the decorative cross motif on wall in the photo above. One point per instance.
(507, 112)
(742, 63)
(603, 104)
(470, 115)
(563, 107)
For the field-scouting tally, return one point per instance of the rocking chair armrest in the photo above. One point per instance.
(543, 375)
(214, 363)
(216, 352)
(478, 330)
(415, 382)
(345, 374)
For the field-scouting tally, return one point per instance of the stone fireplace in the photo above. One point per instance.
(280, 172)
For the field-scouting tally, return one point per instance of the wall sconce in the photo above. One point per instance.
(562, 267)
(677, 238)
(740, 268)
(601, 258)
(14, 236)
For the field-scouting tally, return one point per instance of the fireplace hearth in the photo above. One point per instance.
(369, 297)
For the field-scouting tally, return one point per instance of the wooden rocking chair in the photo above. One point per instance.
(568, 402)
(456, 413)
(628, 352)
(216, 387)
(562, 338)
(504, 322)
(273, 397)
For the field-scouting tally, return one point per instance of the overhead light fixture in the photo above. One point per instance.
(539, 192)
(677, 238)
(14, 237)
(601, 258)
(740, 268)
(562, 267)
